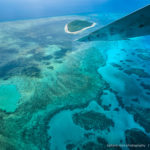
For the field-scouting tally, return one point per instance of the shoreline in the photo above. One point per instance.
(76, 32)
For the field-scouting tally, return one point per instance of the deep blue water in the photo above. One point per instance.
(26, 9)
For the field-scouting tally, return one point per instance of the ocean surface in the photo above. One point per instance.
(29, 9)
(60, 94)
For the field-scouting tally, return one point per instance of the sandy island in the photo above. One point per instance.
(67, 31)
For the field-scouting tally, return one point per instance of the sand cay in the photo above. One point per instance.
(81, 28)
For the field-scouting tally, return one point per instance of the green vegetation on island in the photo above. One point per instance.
(78, 25)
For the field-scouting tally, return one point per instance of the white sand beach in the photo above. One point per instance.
(67, 31)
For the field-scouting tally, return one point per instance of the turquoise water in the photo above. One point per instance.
(9, 97)
(59, 94)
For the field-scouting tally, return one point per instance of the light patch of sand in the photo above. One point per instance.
(67, 31)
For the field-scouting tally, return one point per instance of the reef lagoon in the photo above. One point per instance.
(60, 94)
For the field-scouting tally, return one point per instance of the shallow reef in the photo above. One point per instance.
(58, 93)
(92, 120)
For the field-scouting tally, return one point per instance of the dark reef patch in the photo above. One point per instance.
(6, 54)
(59, 61)
(137, 137)
(117, 66)
(8, 50)
(18, 67)
(8, 69)
(31, 71)
(135, 100)
(140, 50)
(92, 120)
(148, 93)
(40, 57)
(137, 71)
(116, 109)
(101, 140)
(141, 25)
(129, 60)
(70, 146)
(61, 53)
(47, 57)
(141, 116)
(144, 56)
(145, 86)
(51, 67)
(119, 99)
(105, 107)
